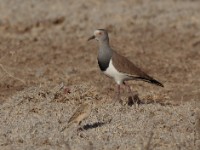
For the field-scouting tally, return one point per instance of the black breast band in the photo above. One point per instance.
(103, 65)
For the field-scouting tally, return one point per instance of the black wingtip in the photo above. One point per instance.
(156, 83)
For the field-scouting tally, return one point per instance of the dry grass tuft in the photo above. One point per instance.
(33, 119)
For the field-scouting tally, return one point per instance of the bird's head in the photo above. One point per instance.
(100, 35)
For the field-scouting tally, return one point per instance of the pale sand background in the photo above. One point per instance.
(43, 43)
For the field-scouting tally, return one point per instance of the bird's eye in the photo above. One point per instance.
(99, 33)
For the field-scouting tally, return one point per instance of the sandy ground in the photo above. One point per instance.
(43, 44)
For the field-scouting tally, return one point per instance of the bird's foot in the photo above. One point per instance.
(134, 100)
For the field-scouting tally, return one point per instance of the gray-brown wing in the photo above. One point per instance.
(125, 66)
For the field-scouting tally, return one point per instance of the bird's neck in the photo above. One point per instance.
(105, 52)
(104, 46)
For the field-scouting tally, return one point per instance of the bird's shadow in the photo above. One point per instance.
(136, 100)
(91, 126)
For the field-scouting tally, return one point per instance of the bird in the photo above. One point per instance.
(81, 113)
(117, 66)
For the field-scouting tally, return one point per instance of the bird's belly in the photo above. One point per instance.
(111, 71)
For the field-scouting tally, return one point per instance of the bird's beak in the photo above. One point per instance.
(92, 37)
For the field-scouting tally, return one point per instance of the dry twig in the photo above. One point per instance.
(10, 75)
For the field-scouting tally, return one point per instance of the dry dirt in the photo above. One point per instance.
(44, 43)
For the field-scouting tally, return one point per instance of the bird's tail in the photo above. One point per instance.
(151, 80)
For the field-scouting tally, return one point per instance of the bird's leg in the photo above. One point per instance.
(118, 91)
(129, 88)
(117, 94)
(134, 95)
